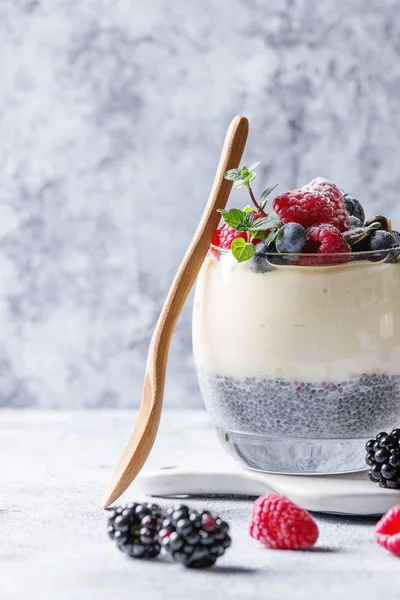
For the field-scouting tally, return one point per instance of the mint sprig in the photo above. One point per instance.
(242, 178)
(245, 220)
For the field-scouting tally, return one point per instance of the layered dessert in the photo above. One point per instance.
(296, 331)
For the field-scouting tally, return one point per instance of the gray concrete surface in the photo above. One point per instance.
(53, 471)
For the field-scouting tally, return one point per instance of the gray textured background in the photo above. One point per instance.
(112, 115)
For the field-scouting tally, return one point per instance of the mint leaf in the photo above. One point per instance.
(241, 250)
(233, 174)
(272, 237)
(249, 219)
(259, 235)
(265, 194)
(253, 167)
(233, 217)
(271, 221)
(244, 181)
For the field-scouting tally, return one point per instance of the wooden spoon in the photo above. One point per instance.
(145, 430)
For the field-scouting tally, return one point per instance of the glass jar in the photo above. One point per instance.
(299, 361)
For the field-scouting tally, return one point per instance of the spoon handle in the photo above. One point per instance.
(189, 268)
(146, 427)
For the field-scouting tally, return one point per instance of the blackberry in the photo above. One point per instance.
(383, 457)
(135, 529)
(195, 539)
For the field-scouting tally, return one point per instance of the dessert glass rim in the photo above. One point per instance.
(315, 254)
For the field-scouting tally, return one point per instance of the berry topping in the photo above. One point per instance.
(291, 238)
(225, 235)
(354, 208)
(382, 240)
(354, 223)
(195, 539)
(280, 524)
(387, 531)
(327, 239)
(135, 529)
(320, 201)
(383, 458)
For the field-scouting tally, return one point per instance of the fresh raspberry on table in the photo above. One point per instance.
(320, 201)
(224, 236)
(387, 531)
(280, 524)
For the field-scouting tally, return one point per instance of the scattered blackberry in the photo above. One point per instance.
(135, 528)
(354, 207)
(195, 539)
(383, 457)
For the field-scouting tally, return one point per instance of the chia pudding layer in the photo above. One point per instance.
(356, 408)
(300, 364)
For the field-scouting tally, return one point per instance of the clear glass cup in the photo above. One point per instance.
(299, 364)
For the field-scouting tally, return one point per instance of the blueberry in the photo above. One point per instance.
(261, 249)
(259, 264)
(354, 222)
(291, 238)
(382, 240)
(353, 207)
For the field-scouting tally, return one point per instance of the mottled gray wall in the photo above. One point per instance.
(112, 115)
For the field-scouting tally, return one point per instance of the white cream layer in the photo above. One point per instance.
(299, 323)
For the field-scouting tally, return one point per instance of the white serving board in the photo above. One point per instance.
(350, 494)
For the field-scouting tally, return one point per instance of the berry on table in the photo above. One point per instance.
(291, 238)
(282, 525)
(320, 201)
(383, 458)
(387, 531)
(135, 527)
(195, 539)
(354, 207)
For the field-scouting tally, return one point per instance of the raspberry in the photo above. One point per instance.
(320, 201)
(324, 240)
(327, 239)
(280, 524)
(225, 235)
(387, 531)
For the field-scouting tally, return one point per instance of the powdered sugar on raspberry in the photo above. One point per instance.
(320, 201)
(282, 525)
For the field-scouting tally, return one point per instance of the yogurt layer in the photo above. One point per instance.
(309, 324)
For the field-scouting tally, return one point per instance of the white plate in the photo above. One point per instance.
(350, 494)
